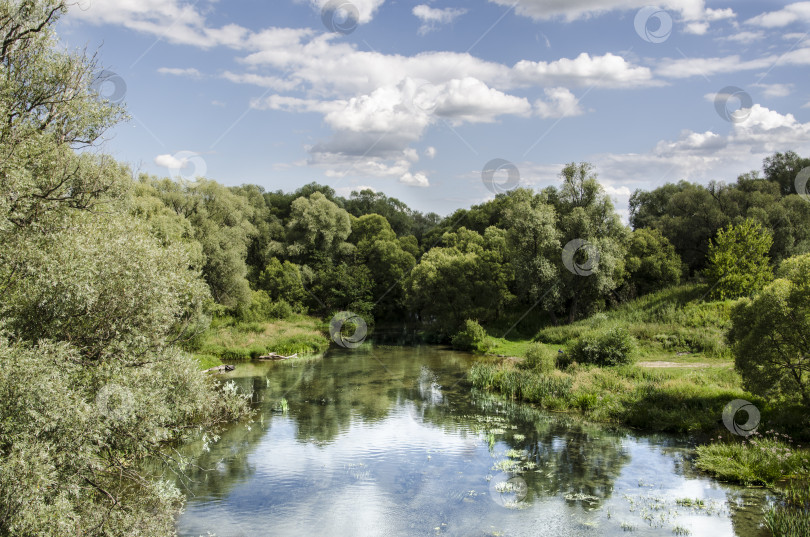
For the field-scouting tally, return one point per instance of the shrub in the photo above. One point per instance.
(472, 337)
(541, 358)
(769, 335)
(609, 348)
(262, 308)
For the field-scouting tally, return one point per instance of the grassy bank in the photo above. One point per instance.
(230, 340)
(679, 377)
(682, 400)
(667, 323)
(771, 459)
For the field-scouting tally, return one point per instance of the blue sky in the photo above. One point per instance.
(415, 98)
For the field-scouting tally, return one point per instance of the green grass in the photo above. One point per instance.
(674, 400)
(506, 347)
(757, 460)
(229, 340)
(774, 460)
(207, 361)
(671, 325)
(664, 323)
(791, 516)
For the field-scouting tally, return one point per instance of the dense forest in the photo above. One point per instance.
(107, 280)
(312, 251)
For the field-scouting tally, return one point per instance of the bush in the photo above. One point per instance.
(262, 308)
(609, 348)
(769, 335)
(541, 358)
(472, 337)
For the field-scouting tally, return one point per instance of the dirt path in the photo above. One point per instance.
(696, 365)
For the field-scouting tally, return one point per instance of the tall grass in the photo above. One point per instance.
(759, 459)
(674, 400)
(791, 516)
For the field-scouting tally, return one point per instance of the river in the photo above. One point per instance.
(392, 441)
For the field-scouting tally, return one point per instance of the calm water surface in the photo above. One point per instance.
(390, 441)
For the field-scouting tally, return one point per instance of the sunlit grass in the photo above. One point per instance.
(228, 340)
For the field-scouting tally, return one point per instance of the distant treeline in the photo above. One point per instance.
(311, 250)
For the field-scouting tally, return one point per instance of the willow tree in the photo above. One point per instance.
(91, 300)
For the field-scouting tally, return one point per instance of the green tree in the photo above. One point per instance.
(90, 304)
(283, 281)
(738, 260)
(651, 262)
(769, 335)
(317, 229)
(399, 215)
(534, 246)
(782, 168)
(48, 108)
(687, 214)
(465, 278)
(587, 214)
(221, 220)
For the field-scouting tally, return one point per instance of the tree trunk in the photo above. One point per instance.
(572, 310)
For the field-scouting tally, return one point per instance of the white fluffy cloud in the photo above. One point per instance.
(607, 71)
(414, 179)
(470, 100)
(708, 156)
(171, 20)
(432, 17)
(170, 161)
(560, 102)
(570, 10)
(775, 90)
(688, 67)
(797, 12)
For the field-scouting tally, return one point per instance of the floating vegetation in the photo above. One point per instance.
(679, 530)
(689, 502)
(581, 497)
(282, 406)
(519, 437)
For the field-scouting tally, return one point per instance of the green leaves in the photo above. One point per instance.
(738, 260)
(770, 335)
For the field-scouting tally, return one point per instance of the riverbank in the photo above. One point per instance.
(230, 340)
(680, 378)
